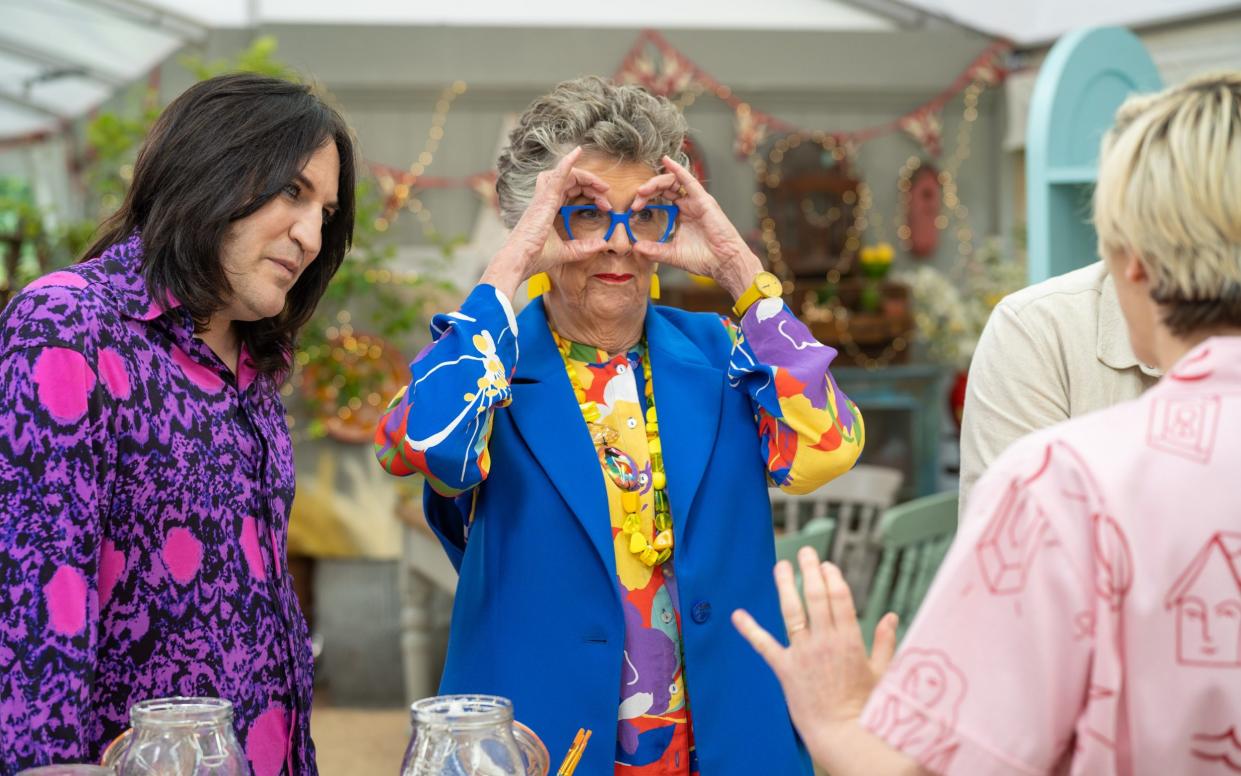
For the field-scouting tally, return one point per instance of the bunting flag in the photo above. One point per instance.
(749, 133)
(659, 66)
(926, 128)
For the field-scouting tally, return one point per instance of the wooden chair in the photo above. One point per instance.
(817, 534)
(855, 500)
(915, 537)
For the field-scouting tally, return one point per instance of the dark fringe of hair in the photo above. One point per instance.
(219, 152)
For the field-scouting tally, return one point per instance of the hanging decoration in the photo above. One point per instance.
(400, 187)
(926, 128)
(656, 64)
(921, 200)
(749, 134)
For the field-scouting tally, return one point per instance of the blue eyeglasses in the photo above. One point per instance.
(655, 223)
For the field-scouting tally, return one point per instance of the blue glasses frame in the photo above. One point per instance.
(567, 212)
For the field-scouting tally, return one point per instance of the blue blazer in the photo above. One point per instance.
(538, 615)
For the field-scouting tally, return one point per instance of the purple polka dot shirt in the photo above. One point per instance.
(144, 499)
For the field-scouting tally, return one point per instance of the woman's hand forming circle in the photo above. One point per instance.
(534, 245)
(705, 242)
(825, 671)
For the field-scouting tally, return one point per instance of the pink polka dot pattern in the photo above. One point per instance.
(57, 279)
(64, 382)
(112, 373)
(182, 554)
(268, 742)
(66, 601)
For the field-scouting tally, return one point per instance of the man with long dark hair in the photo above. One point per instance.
(146, 471)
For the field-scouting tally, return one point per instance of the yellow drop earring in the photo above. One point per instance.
(655, 283)
(538, 284)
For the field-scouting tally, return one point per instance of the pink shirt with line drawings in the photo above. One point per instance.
(1088, 617)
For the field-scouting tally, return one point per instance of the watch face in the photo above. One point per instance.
(768, 284)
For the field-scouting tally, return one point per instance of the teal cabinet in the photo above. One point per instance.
(1085, 78)
(903, 408)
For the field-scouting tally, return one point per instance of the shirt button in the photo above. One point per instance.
(632, 422)
(701, 611)
(621, 369)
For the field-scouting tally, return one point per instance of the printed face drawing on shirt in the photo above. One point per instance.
(924, 731)
(1206, 599)
(1184, 427)
(926, 683)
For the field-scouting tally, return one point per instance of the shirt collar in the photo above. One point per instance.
(122, 267)
(247, 373)
(1112, 346)
(1218, 358)
(589, 354)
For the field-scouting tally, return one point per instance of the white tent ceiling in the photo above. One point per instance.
(61, 58)
(1031, 22)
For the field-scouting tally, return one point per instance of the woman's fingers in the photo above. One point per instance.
(763, 642)
(557, 251)
(815, 587)
(844, 617)
(685, 178)
(661, 185)
(790, 602)
(584, 249)
(653, 251)
(566, 162)
(884, 644)
(587, 184)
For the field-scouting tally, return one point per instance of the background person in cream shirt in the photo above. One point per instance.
(1052, 351)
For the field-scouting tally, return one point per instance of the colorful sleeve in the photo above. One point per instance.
(53, 452)
(440, 424)
(811, 432)
(1006, 660)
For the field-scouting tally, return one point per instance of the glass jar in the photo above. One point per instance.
(181, 737)
(471, 735)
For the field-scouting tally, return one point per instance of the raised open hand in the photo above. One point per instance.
(705, 242)
(825, 671)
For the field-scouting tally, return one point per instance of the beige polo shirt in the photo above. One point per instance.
(1052, 351)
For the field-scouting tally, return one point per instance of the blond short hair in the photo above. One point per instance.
(1169, 190)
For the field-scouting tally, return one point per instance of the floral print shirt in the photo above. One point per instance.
(146, 494)
(441, 424)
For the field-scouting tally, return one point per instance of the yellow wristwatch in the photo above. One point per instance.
(765, 286)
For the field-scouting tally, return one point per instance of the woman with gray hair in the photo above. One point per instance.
(597, 468)
(1088, 617)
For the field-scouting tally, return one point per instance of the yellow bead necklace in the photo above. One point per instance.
(658, 549)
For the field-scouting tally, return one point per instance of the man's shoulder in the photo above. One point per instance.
(62, 307)
(1073, 292)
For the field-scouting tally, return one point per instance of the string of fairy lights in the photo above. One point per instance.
(402, 193)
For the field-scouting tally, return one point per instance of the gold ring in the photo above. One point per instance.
(801, 626)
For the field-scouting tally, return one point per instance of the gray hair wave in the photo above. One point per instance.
(622, 121)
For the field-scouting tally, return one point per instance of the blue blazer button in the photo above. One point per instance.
(701, 611)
